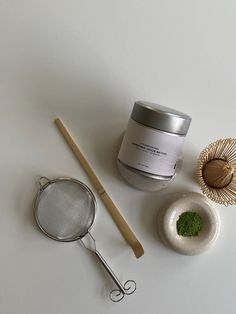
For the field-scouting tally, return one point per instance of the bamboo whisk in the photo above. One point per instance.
(216, 171)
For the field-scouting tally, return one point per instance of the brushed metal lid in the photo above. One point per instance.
(160, 117)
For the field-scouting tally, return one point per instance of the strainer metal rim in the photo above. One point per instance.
(39, 196)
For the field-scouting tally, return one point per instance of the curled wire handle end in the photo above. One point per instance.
(129, 287)
(116, 295)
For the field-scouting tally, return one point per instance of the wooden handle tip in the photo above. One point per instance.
(138, 250)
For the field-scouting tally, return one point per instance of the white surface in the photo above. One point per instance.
(194, 202)
(88, 61)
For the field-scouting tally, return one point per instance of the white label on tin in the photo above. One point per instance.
(150, 150)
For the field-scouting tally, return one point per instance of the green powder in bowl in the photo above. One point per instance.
(189, 224)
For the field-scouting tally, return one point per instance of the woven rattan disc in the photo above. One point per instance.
(216, 171)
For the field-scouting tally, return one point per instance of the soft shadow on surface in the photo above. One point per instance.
(115, 152)
(93, 102)
(91, 99)
(154, 206)
(190, 158)
(107, 283)
(24, 199)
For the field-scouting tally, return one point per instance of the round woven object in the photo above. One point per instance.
(216, 171)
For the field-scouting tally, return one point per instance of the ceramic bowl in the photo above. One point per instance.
(190, 245)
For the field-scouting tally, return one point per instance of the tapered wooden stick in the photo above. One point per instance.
(124, 228)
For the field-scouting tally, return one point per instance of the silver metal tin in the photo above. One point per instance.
(160, 117)
(141, 180)
(171, 123)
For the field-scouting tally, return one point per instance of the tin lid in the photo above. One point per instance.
(160, 117)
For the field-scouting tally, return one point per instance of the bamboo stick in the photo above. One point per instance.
(123, 226)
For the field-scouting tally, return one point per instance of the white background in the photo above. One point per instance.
(88, 61)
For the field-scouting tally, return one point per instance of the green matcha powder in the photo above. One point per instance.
(189, 224)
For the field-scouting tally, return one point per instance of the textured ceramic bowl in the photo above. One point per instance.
(190, 245)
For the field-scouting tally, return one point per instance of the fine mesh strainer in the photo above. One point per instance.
(65, 211)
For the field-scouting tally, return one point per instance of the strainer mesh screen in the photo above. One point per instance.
(65, 210)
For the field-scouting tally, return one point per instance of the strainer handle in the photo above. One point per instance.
(110, 271)
(117, 294)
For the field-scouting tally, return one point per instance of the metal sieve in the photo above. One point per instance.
(65, 211)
